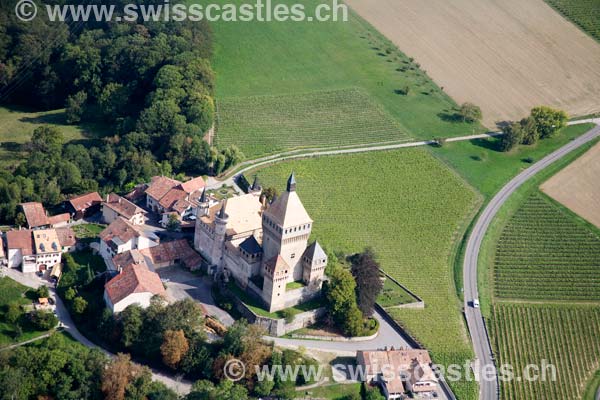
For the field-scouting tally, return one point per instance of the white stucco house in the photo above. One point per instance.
(121, 236)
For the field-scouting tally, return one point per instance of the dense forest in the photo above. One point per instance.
(149, 83)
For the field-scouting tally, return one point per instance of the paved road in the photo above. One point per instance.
(481, 344)
(32, 281)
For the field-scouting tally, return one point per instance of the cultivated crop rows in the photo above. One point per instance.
(565, 336)
(543, 253)
(391, 202)
(268, 124)
(584, 13)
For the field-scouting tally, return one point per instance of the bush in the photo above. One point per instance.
(43, 320)
(43, 291)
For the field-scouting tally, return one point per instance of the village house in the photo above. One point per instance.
(166, 196)
(116, 206)
(67, 239)
(37, 217)
(398, 372)
(84, 205)
(263, 248)
(121, 236)
(135, 284)
(33, 250)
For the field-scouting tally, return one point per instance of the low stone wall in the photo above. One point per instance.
(416, 305)
(336, 338)
(276, 327)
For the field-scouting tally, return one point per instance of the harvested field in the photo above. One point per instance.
(576, 187)
(504, 55)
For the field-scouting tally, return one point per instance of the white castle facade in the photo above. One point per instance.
(263, 248)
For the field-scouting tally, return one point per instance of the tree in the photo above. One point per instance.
(173, 224)
(367, 275)
(75, 107)
(174, 348)
(513, 136)
(13, 312)
(131, 319)
(548, 120)
(20, 220)
(531, 134)
(43, 320)
(116, 377)
(469, 112)
(269, 193)
(79, 305)
(42, 291)
(47, 140)
(70, 293)
(341, 301)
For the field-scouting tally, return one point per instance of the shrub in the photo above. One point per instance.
(43, 320)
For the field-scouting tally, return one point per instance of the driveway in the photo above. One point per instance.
(183, 284)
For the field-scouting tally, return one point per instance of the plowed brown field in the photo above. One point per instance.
(504, 55)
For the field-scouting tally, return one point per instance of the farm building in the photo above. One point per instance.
(121, 236)
(37, 217)
(168, 196)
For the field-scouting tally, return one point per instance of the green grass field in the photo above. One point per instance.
(408, 207)
(293, 58)
(563, 335)
(335, 392)
(487, 169)
(11, 291)
(270, 124)
(592, 387)
(544, 253)
(393, 295)
(17, 125)
(583, 13)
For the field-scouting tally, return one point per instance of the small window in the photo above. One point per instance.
(293, 255)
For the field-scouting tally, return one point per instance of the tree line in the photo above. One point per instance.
(543, 122)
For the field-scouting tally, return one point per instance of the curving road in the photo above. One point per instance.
(488, 388)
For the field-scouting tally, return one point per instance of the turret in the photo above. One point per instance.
(203, 206)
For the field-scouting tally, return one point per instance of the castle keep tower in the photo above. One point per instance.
(286, 228)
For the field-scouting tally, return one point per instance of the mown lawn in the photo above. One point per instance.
(14, 292)
(17, 125)
(487, 169)
(335, 392)
(408, 207)
(293, 58)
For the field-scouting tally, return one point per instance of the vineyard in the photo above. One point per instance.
(544, 253)
(583, 13)
(565, 336)
(267, 124)
(407, 206)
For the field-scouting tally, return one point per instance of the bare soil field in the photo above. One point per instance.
(577, 188)
(504, 55)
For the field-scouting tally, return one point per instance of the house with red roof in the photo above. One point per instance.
(135, 284)
(116, 206)
(39, 249)
(168, 196)
(121, 236)
(84, 205)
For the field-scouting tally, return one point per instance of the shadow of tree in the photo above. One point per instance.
(490, 143)
(447, 116)
(54, 119)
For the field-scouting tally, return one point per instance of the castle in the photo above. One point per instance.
(263, 248)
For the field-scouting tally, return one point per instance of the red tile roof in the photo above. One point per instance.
(56, 219)
(35, 214)
(121, 229)
(122, 206)
(170, 251)
(193, 185)
(172, 197)
(85, 201)
(66, 236)
(137, 193)
(22, 240)
(159, 186)
(134, 278)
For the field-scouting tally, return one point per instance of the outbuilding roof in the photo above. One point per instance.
(35, 214)
(134, 278)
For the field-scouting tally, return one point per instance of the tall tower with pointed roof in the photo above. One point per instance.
(286, 229)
